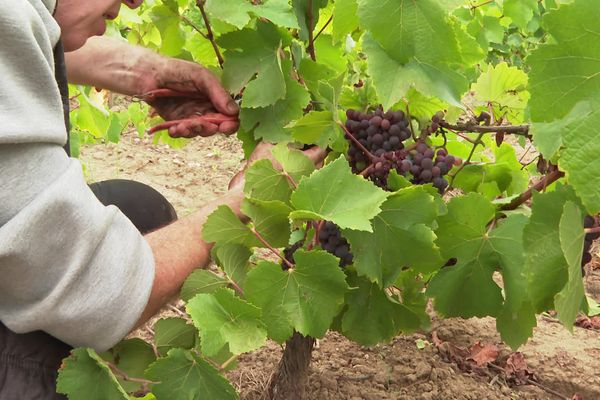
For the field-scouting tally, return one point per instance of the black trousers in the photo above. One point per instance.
(29, 362)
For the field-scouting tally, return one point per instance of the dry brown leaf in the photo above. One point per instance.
(483, 354)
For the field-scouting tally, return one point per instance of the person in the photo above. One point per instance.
(73, 271)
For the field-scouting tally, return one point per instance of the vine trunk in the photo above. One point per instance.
(290, 379)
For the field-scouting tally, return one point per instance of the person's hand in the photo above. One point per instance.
(263, 150)
(206, 98)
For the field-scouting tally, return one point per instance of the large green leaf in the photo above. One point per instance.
(131, 356)
(238, 13)
(393, 78)
(468, 289)
(345, 19)
(201, 281)
(184, 375)
(270, 220)
(233, 259)
(268, 122)
(517, 318)
(545, 264)
(172, 333)
(409, 29)
(294, 162)
(85, 376)
(305, 298)
(335, 194)
(400, 238)
(253, 52)
(570, 299)
(318, 127)
(264, 182)
(224, 227)
(372, 317)
(564, 71)
(224, 319)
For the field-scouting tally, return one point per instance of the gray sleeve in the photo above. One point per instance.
(68, 265)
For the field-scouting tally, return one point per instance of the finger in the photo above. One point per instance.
(316, 154)
(219, 97)
(197, 127)
(229, 127)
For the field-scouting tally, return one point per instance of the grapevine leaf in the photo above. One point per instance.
(166, 19)
(305, 298)
(264, 182)
(233, 259)
(318, 127)
(294, 162)
(579, 158)
(234, 12)
(345, 19)
(370, 316)
(253, 52)
(520, 11)
(517, 318)
(569, 300)
(171, 333)
(430, 78)
(410, 29)
(201, 281)
(399, 238)
(132, 356)
(225, 319)
(269, 122)
(277, 11)
(462, 231)
(502, 85)
(270, 219)
(467, 289)
(238, 13)
(224, 227)
(325, 194)
(184, 375)
(301, 8)
(85, 376)
(565, 71)
(545, 264)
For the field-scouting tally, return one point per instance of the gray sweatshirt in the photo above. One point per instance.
(69, 266)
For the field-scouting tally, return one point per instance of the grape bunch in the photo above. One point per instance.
(383, 135)
(378, 132)
(332, 241)
(422, 164)
(588, 222)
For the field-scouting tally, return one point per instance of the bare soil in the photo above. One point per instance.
(566, 363)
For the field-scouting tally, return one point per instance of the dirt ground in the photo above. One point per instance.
(566, 363)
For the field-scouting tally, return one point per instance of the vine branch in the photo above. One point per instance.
(476, 143)
(519, 130)
(268, 246)
(210, 36)
(311, 38)
(323, 28)
(145, 382)
(523, 197)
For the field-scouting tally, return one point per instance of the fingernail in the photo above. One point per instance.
(232, 107)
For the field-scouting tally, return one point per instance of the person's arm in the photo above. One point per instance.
(179, 249)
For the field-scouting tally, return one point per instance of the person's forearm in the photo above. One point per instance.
(179, 250)
(112, 64)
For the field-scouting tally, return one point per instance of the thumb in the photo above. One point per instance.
(316, 154)
(218, 96)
